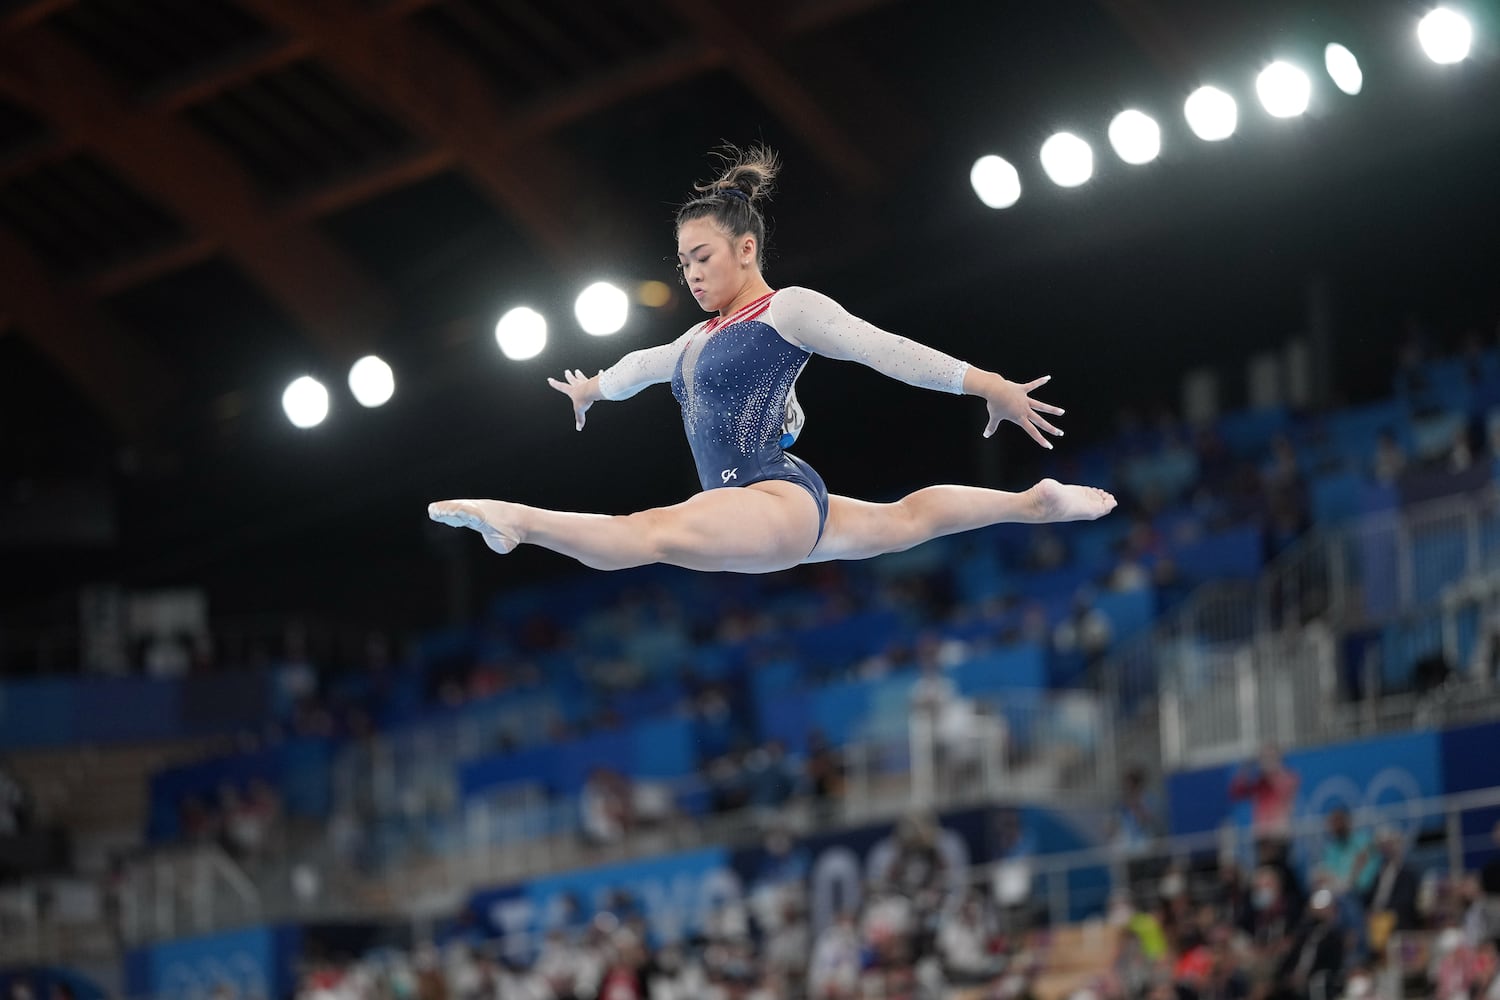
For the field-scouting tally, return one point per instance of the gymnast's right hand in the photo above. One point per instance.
(583, 391)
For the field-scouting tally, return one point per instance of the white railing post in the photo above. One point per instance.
(1247, 698)
(1171, 729)
(923, 764)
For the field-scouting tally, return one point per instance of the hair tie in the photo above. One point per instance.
(734, 192)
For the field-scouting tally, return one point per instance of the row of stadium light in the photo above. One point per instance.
(1284, 90)
(601, 309)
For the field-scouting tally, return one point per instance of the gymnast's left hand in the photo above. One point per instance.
(1012, 401)
(581, 389)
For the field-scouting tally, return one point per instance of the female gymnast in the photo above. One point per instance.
(763, 509)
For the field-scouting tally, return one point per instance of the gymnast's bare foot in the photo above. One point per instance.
(1054, 502)
(493, 519)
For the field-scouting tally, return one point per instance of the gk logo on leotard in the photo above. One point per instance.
(729, 474)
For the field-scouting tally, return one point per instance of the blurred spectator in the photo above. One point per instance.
(604, 807)
(1272, 791)
(1348, 854)
(963, 944)
(727, 782)
(15, 807)
(1311, 968)
(834, 972)
(1045, 549)
(1134, 825)
(918, 865)
(778, 880)
(1014, 850)
(950, 723)
(1478, 916)
(1231, 896)
(1276, 910)
(251, 820)
(1489, 875)
(769, 778)
(1390, 459)
(624, 979)
(1392, 896)
(825, 774)
(1086, 632)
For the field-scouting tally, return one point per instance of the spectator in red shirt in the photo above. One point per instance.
(1272, 791)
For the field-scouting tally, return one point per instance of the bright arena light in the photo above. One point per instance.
(1343, 69)
(1135, 136)
(601, 309)
(1446, 36)
(521, 333)
(1211, 114)
(995, 181)
(305, 402)
(372, 381)
(1284, 90)
(1067, 159)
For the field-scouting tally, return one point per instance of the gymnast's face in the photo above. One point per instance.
(715, 268)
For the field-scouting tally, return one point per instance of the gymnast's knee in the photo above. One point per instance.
(907, 524)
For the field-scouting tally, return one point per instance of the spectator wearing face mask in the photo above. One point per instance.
(1273, 914)
(1311, 968)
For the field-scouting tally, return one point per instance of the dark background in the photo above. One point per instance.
(191, 475)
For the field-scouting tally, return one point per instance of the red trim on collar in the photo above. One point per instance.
(742, 314)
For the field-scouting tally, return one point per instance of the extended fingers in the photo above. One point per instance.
(1044, 425)
(1036, 435)
(1037, 404)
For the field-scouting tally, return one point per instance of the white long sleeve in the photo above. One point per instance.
(818, 324)
(638, 369)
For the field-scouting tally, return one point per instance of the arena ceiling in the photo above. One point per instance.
(200, 199)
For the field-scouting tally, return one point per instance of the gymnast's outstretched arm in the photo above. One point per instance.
(818, 324)
(623, 379)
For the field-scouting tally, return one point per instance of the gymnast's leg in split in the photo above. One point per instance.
(767, 526)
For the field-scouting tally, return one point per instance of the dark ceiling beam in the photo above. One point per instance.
(127, 383)
(17, 16)
(175, 95)
(750, 52)
(441, 95)
(235, 68)
(657, 71)
(149, 266)
(302, 208)
(674, 64)
(365, 185)
(35, 154)
(186, 172)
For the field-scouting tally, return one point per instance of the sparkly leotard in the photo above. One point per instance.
(732, 377)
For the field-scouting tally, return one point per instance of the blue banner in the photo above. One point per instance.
(661, 748)
(1376, 773)
(674, 894)
(104, 710)
(1469, 764)
(259, 962)
(44, 982)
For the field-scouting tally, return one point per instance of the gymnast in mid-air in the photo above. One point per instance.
(763, 509)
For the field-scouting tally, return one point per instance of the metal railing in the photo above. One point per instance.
(1371, 572)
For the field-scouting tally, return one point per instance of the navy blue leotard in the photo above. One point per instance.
(732, 376)
(732, 381)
